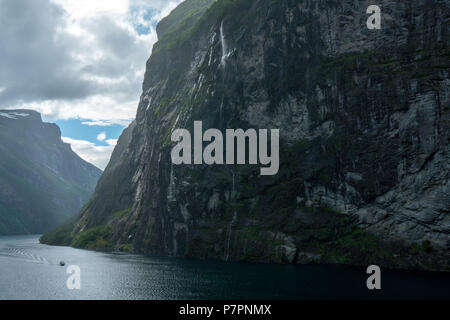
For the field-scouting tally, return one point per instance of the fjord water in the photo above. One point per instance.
(29, 270)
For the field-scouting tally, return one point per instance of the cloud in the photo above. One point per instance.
(100, 123)
(35, 61)
(90, 8)
(77, 59)
(101, 136)
(112, 142)
(97, 155)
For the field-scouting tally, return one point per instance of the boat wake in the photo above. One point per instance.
(23, 255)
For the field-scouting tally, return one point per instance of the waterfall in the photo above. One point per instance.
(233, 221)
(220, 110)
(224, 47)
(225, 55)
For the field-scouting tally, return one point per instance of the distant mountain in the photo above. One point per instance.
(42, 181)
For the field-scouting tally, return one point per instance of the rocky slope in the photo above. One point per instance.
(364, 126)
(42, 181)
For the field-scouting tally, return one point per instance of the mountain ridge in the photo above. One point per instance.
(42, 181)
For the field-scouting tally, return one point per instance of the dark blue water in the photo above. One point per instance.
(29, 270)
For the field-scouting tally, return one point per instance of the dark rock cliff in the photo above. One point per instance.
(42, 181)
(364, 128)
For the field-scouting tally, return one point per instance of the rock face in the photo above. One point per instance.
(364, 126)
(42, 181)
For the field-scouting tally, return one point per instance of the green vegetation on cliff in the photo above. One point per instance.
(97, 238)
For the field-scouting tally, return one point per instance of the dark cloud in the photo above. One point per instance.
(113, 38)
(34, 63)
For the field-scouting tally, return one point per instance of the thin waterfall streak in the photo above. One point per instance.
(233, 221)
(220, 110)
(224, 47)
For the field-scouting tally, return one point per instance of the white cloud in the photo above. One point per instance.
(97, 155)
(112, 142)
(101, 136)
(102, 123)
(81, 9)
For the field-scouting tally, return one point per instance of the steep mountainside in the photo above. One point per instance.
(364, 126)
(42, 181)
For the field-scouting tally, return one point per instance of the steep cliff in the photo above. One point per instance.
(364, 128)
(42, 181)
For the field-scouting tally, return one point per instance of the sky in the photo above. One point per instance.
(80, 63)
